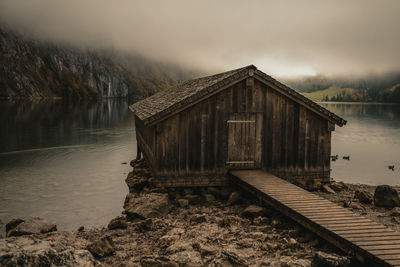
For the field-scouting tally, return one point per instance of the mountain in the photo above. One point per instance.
(367, 88)
(31, 68)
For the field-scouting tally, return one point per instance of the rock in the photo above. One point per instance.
(102, 248)
(133, 162)
(395, 220)
(198, 218)
(234, 198)
(346, 203)
(136, 184)
(292, 242)
(151, 261)
(338, 186)
(188, 257)
(81, 229)
(207, 250)
(225, 192)
(144, 225)
(309, 184)
(188, 191)
(386, 196)
(395, 211)
(119, 222)
(326, 188)
(322, 259)
(30, 252)
(183, 203)
(32, 226)
(363, 196)
(147, 206)
(193, 199)
(253, 211)
(355, 206)
(299, 263)
(214, 191)
(13, 223)
(230, 258)
(209, 197)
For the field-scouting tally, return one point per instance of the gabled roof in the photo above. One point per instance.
(159, 106)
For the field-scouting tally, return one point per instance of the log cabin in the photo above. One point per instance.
(192, 134)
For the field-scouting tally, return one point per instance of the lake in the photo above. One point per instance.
(371, 138)
(63, 161)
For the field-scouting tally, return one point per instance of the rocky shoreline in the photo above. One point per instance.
(189, 227)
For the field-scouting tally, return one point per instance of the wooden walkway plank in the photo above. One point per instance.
(370, 242)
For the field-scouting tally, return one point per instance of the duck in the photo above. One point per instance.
(346, 157)
(391, 167)
(334, 158)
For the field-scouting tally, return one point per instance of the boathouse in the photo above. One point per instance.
(195, 132)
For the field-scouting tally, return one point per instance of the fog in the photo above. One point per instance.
(282, 38)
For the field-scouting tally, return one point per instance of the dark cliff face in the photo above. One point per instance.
(34, 69)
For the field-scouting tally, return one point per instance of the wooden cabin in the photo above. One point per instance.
(192, 134)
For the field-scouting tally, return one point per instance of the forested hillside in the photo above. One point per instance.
(368, 88)
(33, 69)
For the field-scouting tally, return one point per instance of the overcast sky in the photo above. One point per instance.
(282, 38)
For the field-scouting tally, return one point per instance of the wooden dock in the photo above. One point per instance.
(370, 242)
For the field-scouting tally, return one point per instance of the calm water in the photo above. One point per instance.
(372, 140)
(62, 161)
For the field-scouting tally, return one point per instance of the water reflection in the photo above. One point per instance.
(371, 138)
(62, 160)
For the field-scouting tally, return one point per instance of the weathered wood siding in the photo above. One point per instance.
(294, 142)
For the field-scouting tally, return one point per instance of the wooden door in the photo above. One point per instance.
(244, 140)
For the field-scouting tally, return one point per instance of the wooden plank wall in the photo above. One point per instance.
(295, 141)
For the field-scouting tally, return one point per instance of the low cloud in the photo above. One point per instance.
(283, 38)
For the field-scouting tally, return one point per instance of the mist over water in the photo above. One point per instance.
(282, 38)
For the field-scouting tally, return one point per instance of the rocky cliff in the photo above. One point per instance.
(31, 68)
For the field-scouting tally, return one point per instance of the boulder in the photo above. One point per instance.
(102, 248)
(363, 196)
(299, 263)
(32, 252)
(144, 225)
(234, 198)
(151, 261)
(193, 199)
(322, 259)
(136, 184)
(198, 218)
(395, 212)
(386, 196)
(119, 222)
(146, 206)
(209, 197)
(338, 186)
(32, 226)
(253, 211)
(13, 223)
(309, 184)
(228, 258)
(183, 203)
(327, 189)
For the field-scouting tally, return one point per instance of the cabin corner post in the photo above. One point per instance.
(138, 150)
